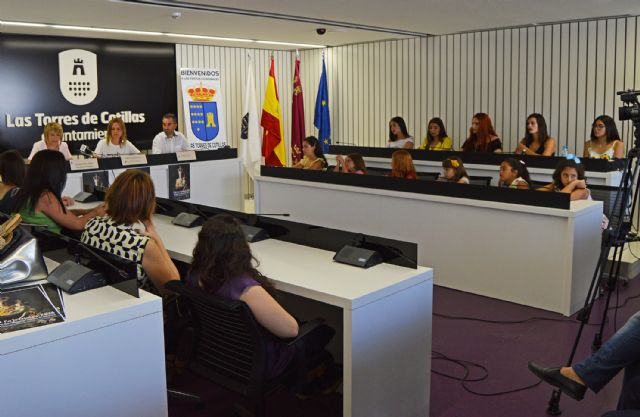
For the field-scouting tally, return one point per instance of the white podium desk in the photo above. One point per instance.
(386, 318)
(536, 256)
(216, 183)
(611, 178)
(106, 360)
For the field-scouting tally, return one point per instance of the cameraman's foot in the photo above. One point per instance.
(563, 378)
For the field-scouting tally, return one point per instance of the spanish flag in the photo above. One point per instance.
(271, 121)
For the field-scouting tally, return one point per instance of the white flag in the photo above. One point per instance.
(250, 140)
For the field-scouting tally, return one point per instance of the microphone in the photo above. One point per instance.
(86, 151)
(273, 214)
(342, 142)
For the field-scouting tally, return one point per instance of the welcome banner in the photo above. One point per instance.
(203, 109)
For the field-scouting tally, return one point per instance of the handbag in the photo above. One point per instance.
(20, 256)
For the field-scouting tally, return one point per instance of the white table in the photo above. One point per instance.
(536, 256)
(386, 314)
(107, 360)
(216, 183)
(611, 178)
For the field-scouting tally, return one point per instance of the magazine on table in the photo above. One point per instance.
(32, 306)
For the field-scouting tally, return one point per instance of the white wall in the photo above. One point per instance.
(568, 72)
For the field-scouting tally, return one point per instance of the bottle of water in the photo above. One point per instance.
(564, 151)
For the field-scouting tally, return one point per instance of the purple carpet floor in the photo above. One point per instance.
(503, 349)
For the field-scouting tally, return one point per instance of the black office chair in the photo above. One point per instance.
(534, 185)
(230, 346)
(480, 180)
(428, 176)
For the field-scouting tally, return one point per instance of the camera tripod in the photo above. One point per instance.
(615, 236)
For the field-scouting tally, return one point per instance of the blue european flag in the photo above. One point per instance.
(321, 118)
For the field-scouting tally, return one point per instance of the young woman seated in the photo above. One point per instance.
(604, 142)
(537, 140)
(402, 165)
(453, 171)
(399, 137)
(313, 158)
(482, 136)
(127, 229)
(223, 265)
(12, 172)
(39, 200)
(437, 139)
(568, 177)
(352, 164)
(514, 174)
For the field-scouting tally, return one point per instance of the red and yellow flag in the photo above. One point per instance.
(271, 121)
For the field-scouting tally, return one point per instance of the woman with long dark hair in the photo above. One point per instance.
(537, 140)
(399, 137)
(437, 139)
(12, 172)
(604, 142)
(223, 265)
(482, 136)
(312, 158)
(39, 200)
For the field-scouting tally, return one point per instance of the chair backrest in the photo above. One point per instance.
(611, 202)
(480, 180)
(377, 171)
(538, 184)
(428, 176)
(230, 348)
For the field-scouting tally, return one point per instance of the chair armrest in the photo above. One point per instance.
(304, 330)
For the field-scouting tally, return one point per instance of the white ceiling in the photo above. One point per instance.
(380, 17)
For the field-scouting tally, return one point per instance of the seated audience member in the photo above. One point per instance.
(398, 135)
(52, 140)
(618, 353)
(482, 136)
(313, 158)
(402, 165)
(127, 229)
(39, 202)
(352, 163)
(537, 140)
(514, 174)
(116, 143)
(223, 265)
(604, 142)
(453, 171)
(12, 172)
(437, 139)
(169, 140)
(568, 177)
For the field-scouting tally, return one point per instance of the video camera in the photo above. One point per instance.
(631, 107)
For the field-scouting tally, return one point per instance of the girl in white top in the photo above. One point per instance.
(398, 135)
(116, 142)
(605, 141)
(514, 174)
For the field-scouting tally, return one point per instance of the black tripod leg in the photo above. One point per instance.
(611, 284)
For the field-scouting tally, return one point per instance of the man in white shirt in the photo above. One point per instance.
(169, 140)
(52, 140)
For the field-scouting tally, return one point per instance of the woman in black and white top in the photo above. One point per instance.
(128, 231)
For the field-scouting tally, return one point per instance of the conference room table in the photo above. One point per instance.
(216, 182)
(386, 318)
(541, 257)
(106, 359)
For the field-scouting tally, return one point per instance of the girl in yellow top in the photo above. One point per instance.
(437, 139)
(313, 158)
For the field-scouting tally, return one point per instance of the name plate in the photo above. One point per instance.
(186, 156)
(83, 164)
(134, 159)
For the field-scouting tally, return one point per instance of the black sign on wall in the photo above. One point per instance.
(82, 83)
